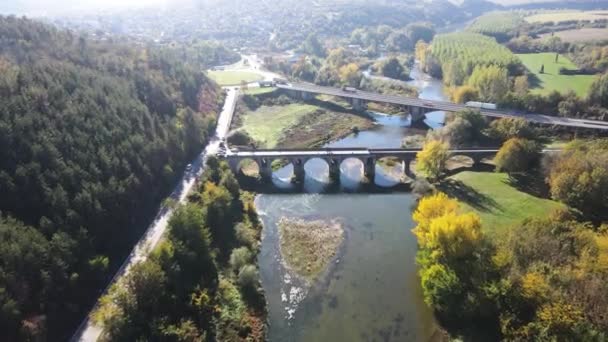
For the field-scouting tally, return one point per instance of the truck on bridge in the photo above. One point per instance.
(349, 89)
(481, 105)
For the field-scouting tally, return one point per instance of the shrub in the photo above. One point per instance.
(240, 257)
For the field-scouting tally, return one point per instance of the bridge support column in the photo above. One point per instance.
(369, 168)
(306, 96)
(334, 169)
(407, 169)
(417, 114)
(298, 169)
(265, 166)
(358, 104)
(233, 163)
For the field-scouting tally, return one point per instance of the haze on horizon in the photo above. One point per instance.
(59, 7)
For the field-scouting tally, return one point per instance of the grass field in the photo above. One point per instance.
(267, 124)
(567, 15)
(499, 204)
(227, 78)
(586, 34)
(551, 79)
(299, 125)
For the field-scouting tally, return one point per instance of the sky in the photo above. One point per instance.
(51, 7)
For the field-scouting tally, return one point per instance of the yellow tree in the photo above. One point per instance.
(454, 236)
(430, 208)
(431, 161)
(349, 74)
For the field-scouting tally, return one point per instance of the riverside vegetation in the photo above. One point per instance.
(201, 283)
(522, 267)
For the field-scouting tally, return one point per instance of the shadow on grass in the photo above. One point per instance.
(534, 81)
(468, 195)
(530, 182)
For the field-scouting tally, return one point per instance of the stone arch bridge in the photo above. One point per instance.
(335, 156)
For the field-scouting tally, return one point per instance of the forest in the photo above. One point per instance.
(201, 283)
(93, 135)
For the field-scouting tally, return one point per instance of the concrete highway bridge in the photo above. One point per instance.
(418, 107)
(335, 156)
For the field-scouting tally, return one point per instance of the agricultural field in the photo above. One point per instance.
(471, 49)
(587, 34)
(500, 25)
(230, 77)
(551, 79)
(499, 204)
(568, 15)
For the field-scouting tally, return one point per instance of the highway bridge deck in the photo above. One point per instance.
(442, 105)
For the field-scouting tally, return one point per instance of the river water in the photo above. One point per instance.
(371, 291)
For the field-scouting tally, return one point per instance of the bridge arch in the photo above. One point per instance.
(352, 168)
(317, 168)
(247, 167)
(282, 169)
(389, 171)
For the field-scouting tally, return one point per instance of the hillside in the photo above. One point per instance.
(93, 135)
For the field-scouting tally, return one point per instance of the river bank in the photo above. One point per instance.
(374, 292)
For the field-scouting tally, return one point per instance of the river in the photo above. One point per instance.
(372, 291)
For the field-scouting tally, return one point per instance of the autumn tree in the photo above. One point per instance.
(431, 161)
(350, 74)
(520, 85)
(492, 82)
(517, 155)
(507, 128)
(464, 94)
(578, 176)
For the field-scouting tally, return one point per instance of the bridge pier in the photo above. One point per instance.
(417, 114)
(334, 169)
(358, 105)
(369, 168)
(298, 169)
(265, 166)
(407, 168)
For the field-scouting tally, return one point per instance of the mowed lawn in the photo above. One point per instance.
(267, 123)
(499, 204)
(551, 79)
(232, 77)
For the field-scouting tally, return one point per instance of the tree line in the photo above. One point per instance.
(201, 282)
(92, 136)
(545, 279)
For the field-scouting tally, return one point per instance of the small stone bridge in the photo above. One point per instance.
(335, 156)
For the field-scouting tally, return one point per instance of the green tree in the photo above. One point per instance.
(312, 46)
(503, 129)
(393, 68)
(420, 31)
(441, 288)
(598, 93)
(491, 81)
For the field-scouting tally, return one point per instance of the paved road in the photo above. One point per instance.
(444, 106)
(88, 331)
